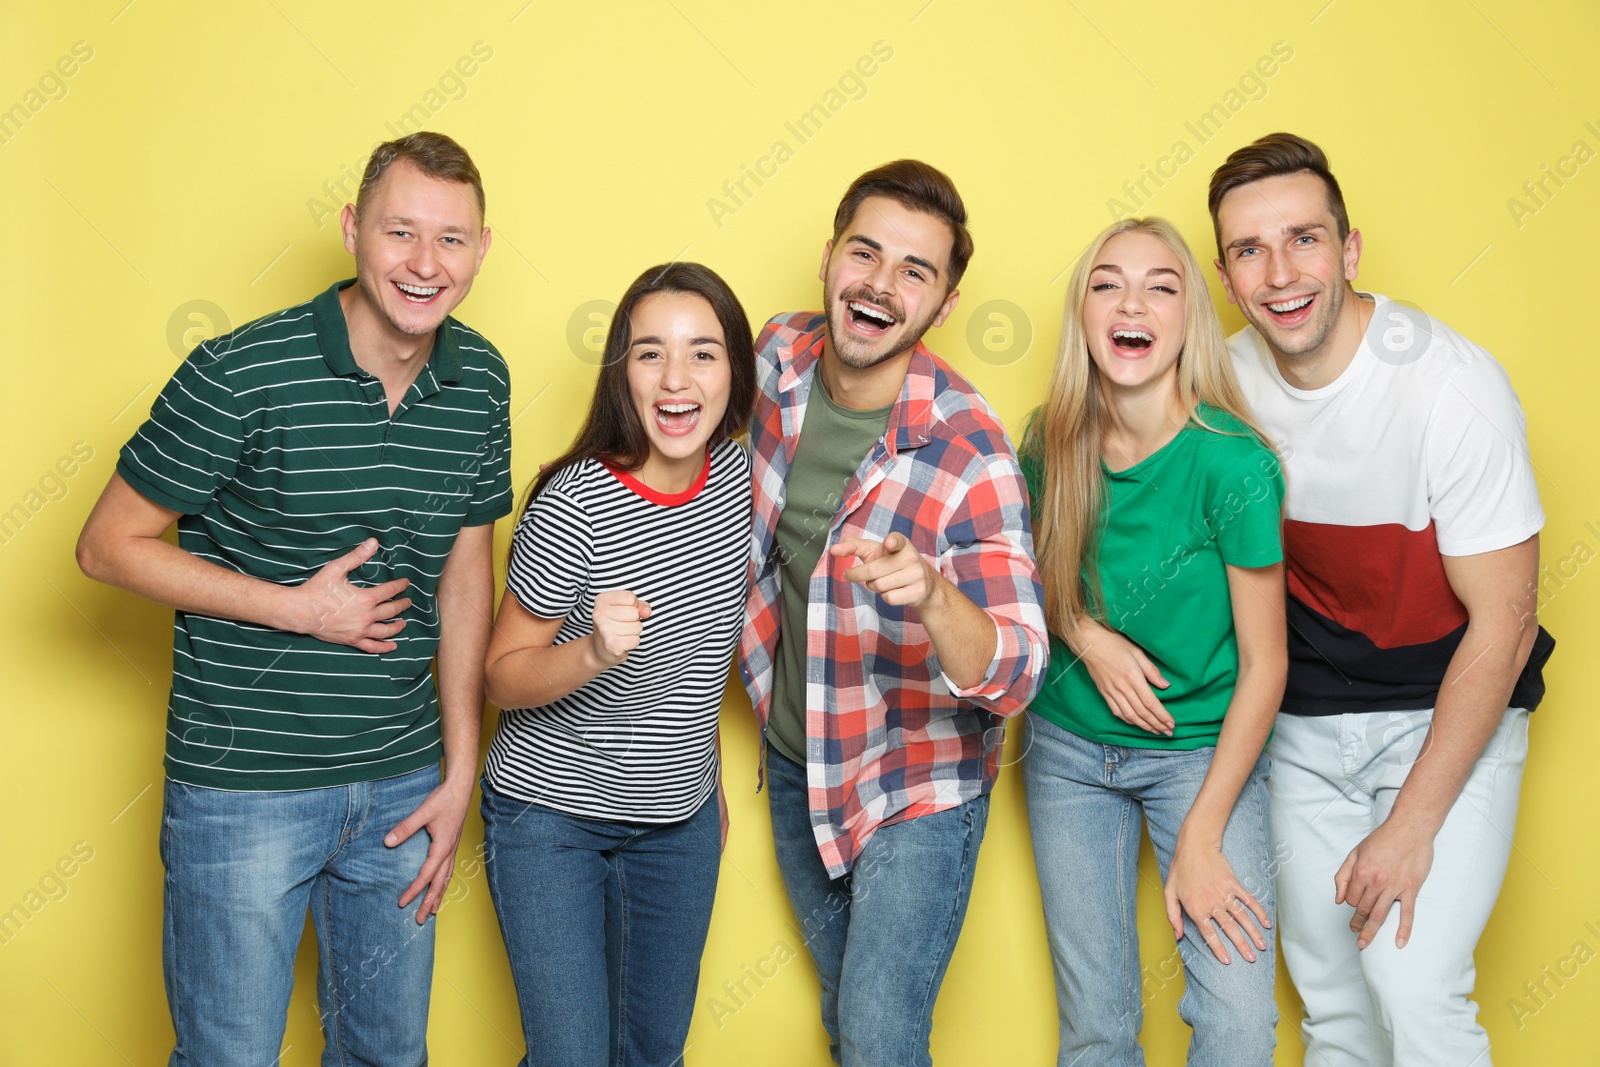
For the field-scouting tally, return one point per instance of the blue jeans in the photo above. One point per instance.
(1085, 800)
(604, 924)
(881, 936)
(242, 868)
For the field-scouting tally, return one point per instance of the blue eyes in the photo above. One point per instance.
(1303, 240)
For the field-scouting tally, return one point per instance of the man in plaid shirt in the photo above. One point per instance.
(894, 616)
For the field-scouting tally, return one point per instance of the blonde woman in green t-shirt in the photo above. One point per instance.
(1156, 511)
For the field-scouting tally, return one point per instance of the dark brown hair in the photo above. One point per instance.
(919, 187)
(433, 154)
(612, 432)
(1271, 156)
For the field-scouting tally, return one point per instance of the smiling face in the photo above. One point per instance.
(1133, 313)
(884, 282)
(679, 378)
(1283, 263)
(418, 244)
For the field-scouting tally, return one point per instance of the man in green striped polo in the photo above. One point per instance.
(335, 471)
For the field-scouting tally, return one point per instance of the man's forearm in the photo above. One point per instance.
(963, 635)
(1471, 704)
(466, 605)
(169, 575)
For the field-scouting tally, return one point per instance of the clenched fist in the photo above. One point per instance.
(618, 621)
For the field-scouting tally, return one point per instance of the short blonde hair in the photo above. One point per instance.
(434, 154)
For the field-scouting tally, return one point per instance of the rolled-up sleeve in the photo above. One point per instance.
(989, 557)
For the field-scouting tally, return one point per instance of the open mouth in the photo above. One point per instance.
(1132, 341)
(869, 318)
(676, 417)
(418, 294)
(1293, 311)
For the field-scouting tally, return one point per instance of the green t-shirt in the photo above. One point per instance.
(833, 442)
(1172, 523)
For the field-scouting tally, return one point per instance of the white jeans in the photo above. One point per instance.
(1334, 779)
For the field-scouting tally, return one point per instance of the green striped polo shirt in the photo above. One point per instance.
(280, 455)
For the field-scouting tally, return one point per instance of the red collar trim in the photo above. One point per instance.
(655, 496)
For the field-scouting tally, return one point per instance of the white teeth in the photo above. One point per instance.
(1291, 305)
(677, 409)
(872, 312)
(418, 290)
(1142, 335)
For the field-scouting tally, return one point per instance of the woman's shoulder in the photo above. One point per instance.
(1230, 457)
(730, 459)
(1224, 438)
(570, 488)
(576, 478)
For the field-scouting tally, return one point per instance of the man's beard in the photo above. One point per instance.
(858, 354)
(1329, 303)
(375, 298)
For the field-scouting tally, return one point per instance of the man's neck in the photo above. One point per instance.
(856, 389)
(1313, 370)
(378, 348)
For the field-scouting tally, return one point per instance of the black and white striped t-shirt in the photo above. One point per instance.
(636, 744)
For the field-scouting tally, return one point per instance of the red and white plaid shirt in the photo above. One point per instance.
(896, 738)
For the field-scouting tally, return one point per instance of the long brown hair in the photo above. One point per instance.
(1066, 434)
(612, 432)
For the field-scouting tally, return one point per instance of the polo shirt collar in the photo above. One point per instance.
(910, 420)
(333, 336)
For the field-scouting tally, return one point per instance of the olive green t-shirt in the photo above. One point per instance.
(1172, 524)
(833, 442)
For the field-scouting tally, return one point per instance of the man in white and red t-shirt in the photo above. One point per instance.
(1412, 541)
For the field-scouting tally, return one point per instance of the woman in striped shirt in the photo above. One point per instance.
(602, 807)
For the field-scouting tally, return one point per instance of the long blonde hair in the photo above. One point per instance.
(1066, 434)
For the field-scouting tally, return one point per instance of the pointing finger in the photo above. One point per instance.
(864, 550)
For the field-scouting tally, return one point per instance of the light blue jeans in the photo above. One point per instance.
(243, 868)
(1085, 802)
(604, 924)
(882, 936)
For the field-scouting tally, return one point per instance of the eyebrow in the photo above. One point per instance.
(653, 340)
(1287, 231)
(1153, 270)
(401, 220)
(876, 247)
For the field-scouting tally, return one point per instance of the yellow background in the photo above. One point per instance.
(181, 163)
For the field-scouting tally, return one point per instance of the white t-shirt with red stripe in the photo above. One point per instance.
(1418, 450)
